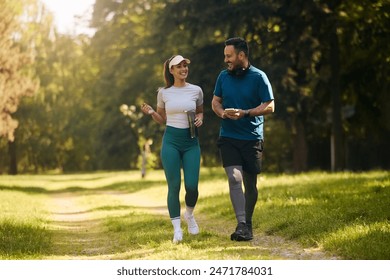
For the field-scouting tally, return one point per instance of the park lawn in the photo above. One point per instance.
(121, 216)
(23, 229)
(347, 214)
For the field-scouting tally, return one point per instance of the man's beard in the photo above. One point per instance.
(237, 70)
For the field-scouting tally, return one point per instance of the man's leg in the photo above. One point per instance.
(251, 195)
(252, 152)
(237, 198)
(234, 174)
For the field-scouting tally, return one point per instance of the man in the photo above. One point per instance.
(242, 96)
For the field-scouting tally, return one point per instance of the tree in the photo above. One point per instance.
(327, 61)
(130, 73)
(15, 80)
(365, 79)
(307, 47)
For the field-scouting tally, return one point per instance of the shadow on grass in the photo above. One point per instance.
(125, 187)
(97, 209)
(23, 241)
(130, 186)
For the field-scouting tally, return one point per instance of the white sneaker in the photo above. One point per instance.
(192, 225)
(177, 236)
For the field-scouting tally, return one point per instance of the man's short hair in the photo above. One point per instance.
(239, 45)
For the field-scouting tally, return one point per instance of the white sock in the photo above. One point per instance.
(189, 210)
(176, 224)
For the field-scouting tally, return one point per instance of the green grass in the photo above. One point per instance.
(22, 225)
(118, 215)
(347, 214)
(20, 239)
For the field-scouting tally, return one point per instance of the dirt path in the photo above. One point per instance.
(72, 226)
(275, 246)
(75, 227)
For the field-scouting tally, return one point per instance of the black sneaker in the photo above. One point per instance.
(241, 234)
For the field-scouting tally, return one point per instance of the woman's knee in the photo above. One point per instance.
(191, 197)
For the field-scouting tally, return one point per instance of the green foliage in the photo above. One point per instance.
(74, 124)
(16, 81)
(65, 106)
(128, 75)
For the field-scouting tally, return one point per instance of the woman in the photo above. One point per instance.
(175, 103)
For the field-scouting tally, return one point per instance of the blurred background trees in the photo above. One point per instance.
(16, 79)
(328, 62)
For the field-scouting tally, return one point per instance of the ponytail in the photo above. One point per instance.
(168, 77)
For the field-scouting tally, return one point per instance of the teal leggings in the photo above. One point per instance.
(180, 150)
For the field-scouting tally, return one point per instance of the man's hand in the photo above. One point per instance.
(232, 113)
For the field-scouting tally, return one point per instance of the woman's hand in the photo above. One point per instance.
(147, 109)
(198, 120)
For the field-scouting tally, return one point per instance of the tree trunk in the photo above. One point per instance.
(300, 147)
(337, 152)
(13, 168)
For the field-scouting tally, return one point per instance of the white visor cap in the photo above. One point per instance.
(177, 59)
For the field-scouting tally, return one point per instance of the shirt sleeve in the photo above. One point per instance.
(160, 101)
(199, 101)
(265, 88)
(218, 88)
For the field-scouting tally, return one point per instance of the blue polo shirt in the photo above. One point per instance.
(243, 92)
